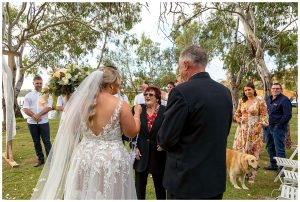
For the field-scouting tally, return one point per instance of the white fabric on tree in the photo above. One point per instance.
(9, 101)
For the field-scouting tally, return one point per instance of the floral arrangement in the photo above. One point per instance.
(64, 81)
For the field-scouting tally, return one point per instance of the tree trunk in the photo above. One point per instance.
(4, 112)
(264, 74)
(18, 87)
(17, 109)
(262, 69)
(234, 83)
(235, 98)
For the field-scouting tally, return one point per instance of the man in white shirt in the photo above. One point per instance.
(37, 106)
(139, 98)
(60, 104)
(121, 95)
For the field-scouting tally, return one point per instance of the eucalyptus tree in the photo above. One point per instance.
(154, 63)
(135, 59)
(217, 42)
(263, 26)
(46, 35)
(123, 58)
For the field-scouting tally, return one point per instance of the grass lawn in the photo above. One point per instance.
(18, 183)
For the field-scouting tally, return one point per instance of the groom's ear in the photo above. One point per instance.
(187, 65)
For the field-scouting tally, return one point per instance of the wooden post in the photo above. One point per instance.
(8, 155)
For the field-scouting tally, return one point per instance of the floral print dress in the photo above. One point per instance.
(251, 116)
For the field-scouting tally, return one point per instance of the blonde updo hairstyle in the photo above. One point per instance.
(110, 76)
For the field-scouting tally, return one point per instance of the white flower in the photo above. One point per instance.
(65, 80)
(75, 77)
(63, 70)
(68, 75)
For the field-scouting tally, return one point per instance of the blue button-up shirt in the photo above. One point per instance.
(279, 110)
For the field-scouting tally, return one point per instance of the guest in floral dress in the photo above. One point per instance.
(251, 115)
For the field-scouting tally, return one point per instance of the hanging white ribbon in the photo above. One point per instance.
(9, 101)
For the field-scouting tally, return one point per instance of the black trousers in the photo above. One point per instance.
(171, 196)
(141, 183)
(38, 132)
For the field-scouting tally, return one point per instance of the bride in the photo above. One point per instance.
(88, 159)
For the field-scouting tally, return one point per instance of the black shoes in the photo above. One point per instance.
(271, 168)
(40, 162)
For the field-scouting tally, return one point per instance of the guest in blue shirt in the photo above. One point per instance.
(280, 112)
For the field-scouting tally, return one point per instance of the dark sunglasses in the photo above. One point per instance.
(150, 94)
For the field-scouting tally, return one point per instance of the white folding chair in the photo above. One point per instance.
(286, 163)
(288, 193)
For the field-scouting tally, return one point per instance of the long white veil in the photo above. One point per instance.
(51, 183)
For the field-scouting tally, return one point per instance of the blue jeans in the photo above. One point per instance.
(275, 143)
(38, 132)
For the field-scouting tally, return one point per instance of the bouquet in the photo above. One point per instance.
(64, 81)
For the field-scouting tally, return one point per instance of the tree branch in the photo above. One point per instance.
(252, 19)
(279, 33)
(104, 45)
(18, 16)
(36, 61)
(8, 12)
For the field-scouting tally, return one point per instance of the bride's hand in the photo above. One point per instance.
(159, 148)
(138, 154)
(137, 109)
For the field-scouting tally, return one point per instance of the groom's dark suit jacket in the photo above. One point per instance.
(194, 133)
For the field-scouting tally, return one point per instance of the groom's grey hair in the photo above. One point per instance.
(195, 54)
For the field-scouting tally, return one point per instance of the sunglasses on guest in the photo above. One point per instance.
(150, 94)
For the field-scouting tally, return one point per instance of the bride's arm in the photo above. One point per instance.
(130, 124)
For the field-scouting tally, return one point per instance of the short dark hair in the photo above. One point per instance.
(277, 84)
(37, 77)
(171, 83)
(195, 54)
(156, 91)
(250, 85)
(112, 66)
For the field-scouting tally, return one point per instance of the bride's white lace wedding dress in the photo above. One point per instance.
(100, 166)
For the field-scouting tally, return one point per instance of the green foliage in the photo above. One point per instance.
(142, 60)
(153, 63)
(73, 30)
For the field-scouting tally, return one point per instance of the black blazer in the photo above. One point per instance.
(151, 160)
(194, 133)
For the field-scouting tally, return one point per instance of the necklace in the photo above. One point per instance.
(156, 108)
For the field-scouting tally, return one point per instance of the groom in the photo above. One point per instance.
(38, 123)
(194, 132)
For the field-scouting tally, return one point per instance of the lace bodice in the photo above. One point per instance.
(100, 167)
(110, 132)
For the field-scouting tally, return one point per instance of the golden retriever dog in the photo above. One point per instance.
(239, 164)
